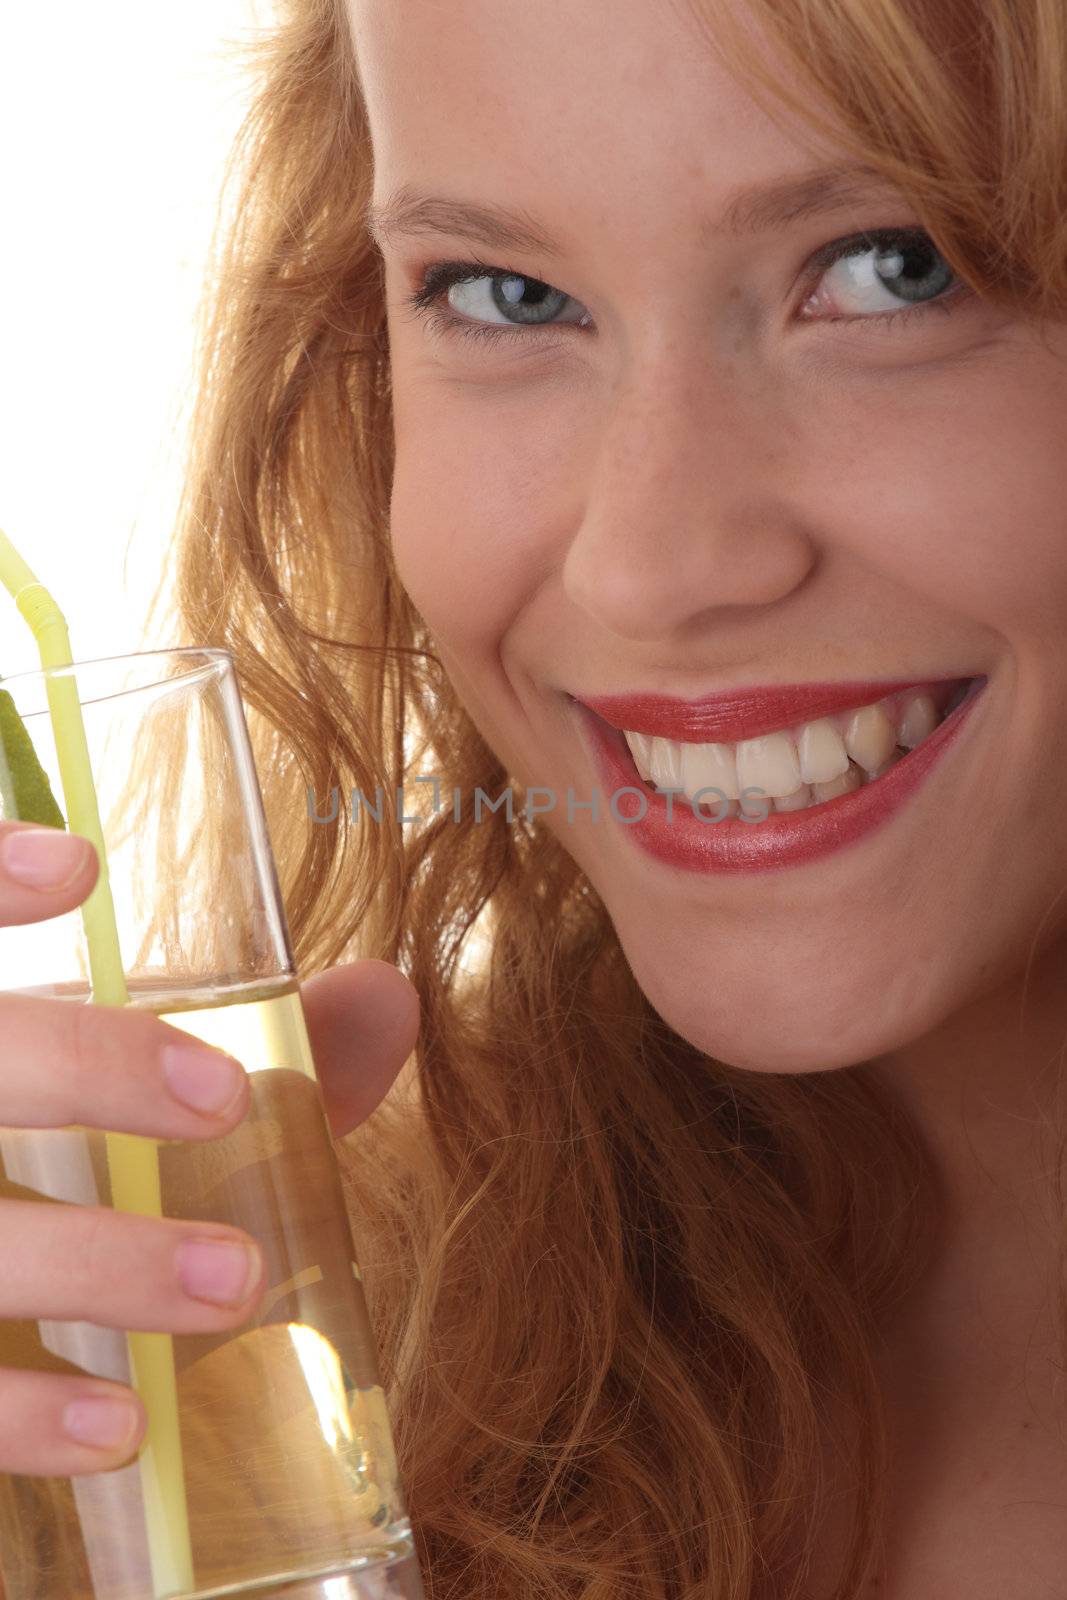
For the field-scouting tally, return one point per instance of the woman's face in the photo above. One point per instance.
(703, 461)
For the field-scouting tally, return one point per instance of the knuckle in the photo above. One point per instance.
(112, 1262)
(89, 1252)
(101, 1042)
(55, 1258)
(81, 1045)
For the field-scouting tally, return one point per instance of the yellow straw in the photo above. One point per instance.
(132, 1161)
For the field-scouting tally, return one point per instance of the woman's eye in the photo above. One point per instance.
(875, 277)
(881, 272)
(489, 302)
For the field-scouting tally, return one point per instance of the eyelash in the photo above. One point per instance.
(427, 300)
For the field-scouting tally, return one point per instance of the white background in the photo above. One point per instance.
(115, 121)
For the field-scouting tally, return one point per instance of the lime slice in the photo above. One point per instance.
(25, 793)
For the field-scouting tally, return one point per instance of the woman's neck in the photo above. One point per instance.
(986, 1090)
(987, 1086)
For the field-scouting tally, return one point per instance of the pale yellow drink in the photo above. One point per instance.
(269, 1455)
(285, 1432)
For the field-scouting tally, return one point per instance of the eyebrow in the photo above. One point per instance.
(751, 211)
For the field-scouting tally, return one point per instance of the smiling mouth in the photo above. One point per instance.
(802, 765)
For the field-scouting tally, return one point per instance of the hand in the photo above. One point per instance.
(109, 1067)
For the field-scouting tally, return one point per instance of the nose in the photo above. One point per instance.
(687, 517)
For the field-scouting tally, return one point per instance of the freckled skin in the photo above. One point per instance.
(705, 490)
(709, 492)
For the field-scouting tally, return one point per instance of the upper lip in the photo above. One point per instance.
(743, 713)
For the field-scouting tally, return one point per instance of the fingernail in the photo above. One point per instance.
(202, 1078)
(44, 858)
(107, 1424)
(212, 1269)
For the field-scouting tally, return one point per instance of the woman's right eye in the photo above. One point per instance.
(518, 300)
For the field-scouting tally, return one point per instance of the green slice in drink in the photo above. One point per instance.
(25, 793)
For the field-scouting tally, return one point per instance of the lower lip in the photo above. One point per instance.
(782, 838)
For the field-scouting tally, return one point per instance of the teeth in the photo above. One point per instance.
(830, 791)
(796, 767)
(919, 717)
(869, 776)
(821, 751)
(768, 763)
(795, 801)
(640, 746)
(665, 763)
(870, 737)
(715, 808)
(710, 766)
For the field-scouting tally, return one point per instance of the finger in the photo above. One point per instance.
(118, 1270)
(113, 1067)
(363, 1021)
(43, 872)
(57, 1426)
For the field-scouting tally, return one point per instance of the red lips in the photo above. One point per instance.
(746, 713)
(676, 836)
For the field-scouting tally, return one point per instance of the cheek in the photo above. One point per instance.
(947, 486)
(477, 508)
(957, 496)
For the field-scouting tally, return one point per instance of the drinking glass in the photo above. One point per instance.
(278, 1475)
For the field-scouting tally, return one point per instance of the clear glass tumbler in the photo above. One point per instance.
(269, 1466)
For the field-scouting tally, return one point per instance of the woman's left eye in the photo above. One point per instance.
(879, 276)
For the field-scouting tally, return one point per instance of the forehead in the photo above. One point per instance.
(598, 104)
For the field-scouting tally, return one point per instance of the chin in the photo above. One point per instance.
(795, 1014)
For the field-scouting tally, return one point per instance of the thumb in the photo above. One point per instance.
(363, 1020)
